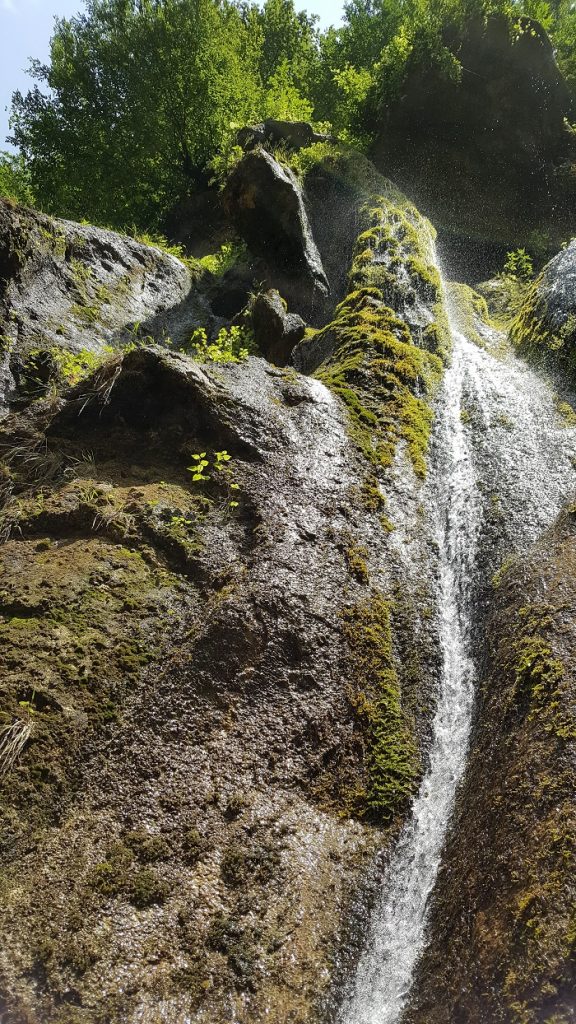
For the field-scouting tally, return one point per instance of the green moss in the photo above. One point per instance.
(255, 863)
(356, 556)
(391, 760)
(71, 652)
(237, 942)
(145, 847)
(118, 876)
(382, 378)
(566, 412)
(146, 888)
(193, 846)
(383, 373)
(500, 573)
(539, 677)
(469, 309)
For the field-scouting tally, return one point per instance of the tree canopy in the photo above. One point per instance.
(140, 96)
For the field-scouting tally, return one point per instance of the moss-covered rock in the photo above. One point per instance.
(504, 951)
(544, 328)
(384, 351)
(75, 287)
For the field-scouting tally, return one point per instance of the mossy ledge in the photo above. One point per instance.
(383, 379)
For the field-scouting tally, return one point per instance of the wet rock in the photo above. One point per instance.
(545, 327)
(266, 204)
(275, 330)
(166, 639)
(215, 654)
(501, 934)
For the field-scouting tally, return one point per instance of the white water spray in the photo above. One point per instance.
(499, 440)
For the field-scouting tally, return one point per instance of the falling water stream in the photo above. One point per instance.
(499, 443)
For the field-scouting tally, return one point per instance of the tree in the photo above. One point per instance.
(141, 94)
(15, 179)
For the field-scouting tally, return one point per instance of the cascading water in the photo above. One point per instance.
(501, 444)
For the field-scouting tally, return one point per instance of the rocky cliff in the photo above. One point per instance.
(217, 685)
(221, 621)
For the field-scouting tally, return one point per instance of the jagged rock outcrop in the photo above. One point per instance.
(266, 204)
(502, 932)
(487, 155)
(74, 286)
(276, 331)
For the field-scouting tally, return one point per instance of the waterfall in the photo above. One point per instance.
(499, 444)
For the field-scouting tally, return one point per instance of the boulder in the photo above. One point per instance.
(294, 134)
(265, 201)
(78, 287)
(275, 330)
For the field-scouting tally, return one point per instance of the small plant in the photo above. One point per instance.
(518, 265)
(200, 463)
(201, 471)
(114, 518)
(219, 262)
(232, 345)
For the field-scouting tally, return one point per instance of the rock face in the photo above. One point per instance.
(489, 156)
(73, 286)
(180, 661)
(221, 632)
(265, 202)
(503, 926)
(217, 681)
(275, 330)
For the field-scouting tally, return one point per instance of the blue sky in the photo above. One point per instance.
(26, 27)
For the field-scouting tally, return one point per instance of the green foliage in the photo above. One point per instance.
(15, 181)
(203, 470)
(518, 265)
(158, 241)
(283, 99)
(135, 100)
(149, 96)
(303, 160)
(219, 262)
(232, 345)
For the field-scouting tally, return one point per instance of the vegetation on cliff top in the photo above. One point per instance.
(148, 96)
